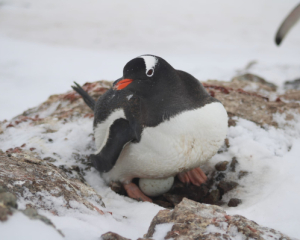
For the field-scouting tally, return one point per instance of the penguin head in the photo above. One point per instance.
(144, 75)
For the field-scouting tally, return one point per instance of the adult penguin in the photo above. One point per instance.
(155, 123)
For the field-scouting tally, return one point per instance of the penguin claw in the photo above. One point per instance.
(134, 192)
(195, 176)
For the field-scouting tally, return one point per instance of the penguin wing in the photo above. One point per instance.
(287, 24)
(120, 133)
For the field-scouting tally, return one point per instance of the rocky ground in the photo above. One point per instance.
(32, 171)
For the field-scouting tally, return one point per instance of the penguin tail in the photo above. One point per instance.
(86, 97)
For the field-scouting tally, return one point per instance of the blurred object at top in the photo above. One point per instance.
(287, 24)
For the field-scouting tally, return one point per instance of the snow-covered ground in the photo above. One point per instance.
(46, 45)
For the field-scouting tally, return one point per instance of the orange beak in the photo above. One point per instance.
(122, 84)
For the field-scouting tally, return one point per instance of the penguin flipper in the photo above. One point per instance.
(86, 97)
(120, 133)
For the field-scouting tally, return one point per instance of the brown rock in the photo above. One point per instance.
(194, 220)
(240, 100)
(292, 95)
(112, 236)
(242, 174)
(227, 142)
(225, 187)
(234, 202)
(213, 197)
(221, 166)
(233, 164)
(268, 86)
(118, 188)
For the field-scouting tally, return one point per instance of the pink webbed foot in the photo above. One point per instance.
(195, 176)
(134, 192)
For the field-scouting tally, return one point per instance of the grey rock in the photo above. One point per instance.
(194, 220)
(295, 84)
(44, 177)
(2, 189)
(8, 199)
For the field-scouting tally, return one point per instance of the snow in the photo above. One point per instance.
(46, 45)
(161, 230)
(18, 227)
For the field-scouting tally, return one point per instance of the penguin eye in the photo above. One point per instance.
(150, 72)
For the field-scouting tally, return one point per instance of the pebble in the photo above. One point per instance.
(234, 202)
(220, 176)
(213, 197)
(221, 166)
(227, 142)
(49, 159)
(233, 164)
(226, 186)
(242, 174)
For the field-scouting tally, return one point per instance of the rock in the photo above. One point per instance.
(27, 175)
(164, 204)
(225, 187)
(221, 166)
(112, 236)
(291, 95)
(5, 212)
(213, 197)
(295, 84)
(256, 79)
(194, 220)
(8, 199)
(49, 159)
(220, 176)
(233, 164)
(227, 142)
(2, 189)
(234, 202)
(118, 188)
(8, 207)
(173, 198)
(250, 100)
(242, 174)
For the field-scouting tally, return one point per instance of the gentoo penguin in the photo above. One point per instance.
(287, 24)
(155, 123)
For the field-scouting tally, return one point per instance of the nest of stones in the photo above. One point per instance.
(211, 192)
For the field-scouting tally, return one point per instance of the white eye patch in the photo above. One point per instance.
(150, 63)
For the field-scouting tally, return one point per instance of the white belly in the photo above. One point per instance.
(184, 142)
